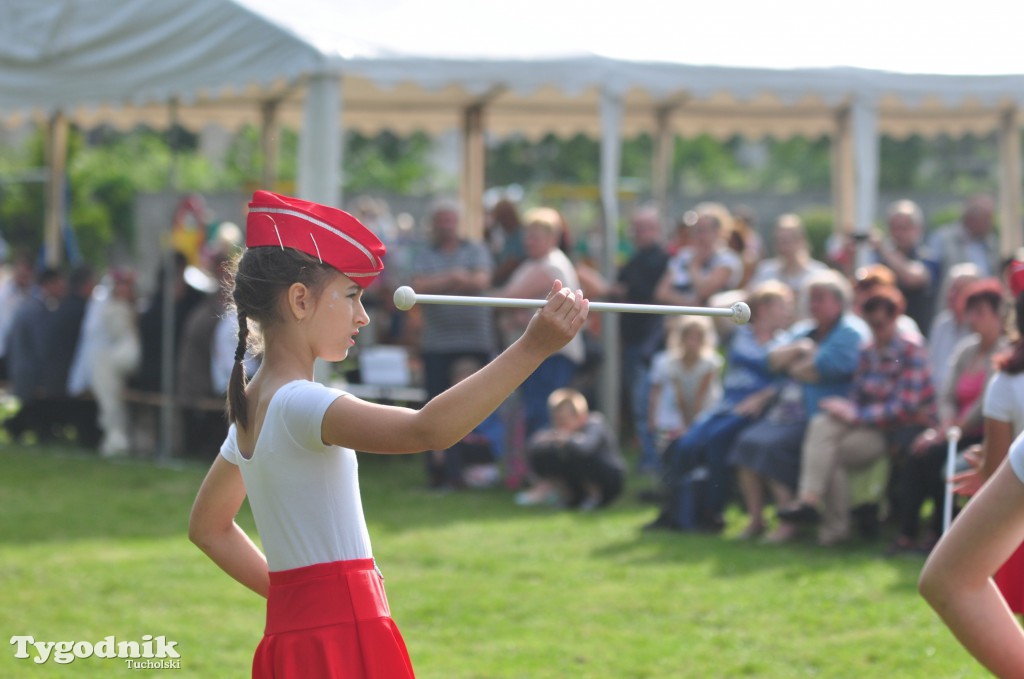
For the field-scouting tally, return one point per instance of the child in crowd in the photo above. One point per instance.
(473, 461)
(576, 460)
(290, 446)
(685, 378)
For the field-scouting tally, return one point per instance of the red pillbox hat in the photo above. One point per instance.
(332, 236)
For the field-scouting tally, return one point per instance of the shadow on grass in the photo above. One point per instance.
(728, 557)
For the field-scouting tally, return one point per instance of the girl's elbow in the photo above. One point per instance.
(927, 586)
(197, 536)
(201, 533)
(935, 586)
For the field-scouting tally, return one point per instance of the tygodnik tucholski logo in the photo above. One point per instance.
(149, 653)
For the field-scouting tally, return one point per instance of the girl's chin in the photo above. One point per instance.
(335, 356)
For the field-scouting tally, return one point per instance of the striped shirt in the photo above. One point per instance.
(449, 328)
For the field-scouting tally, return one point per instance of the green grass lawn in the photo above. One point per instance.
(480, 588)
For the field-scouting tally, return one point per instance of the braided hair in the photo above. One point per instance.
(256, 281)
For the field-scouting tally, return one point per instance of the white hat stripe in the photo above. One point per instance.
(323, 225)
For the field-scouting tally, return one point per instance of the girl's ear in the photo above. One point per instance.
(300, 301)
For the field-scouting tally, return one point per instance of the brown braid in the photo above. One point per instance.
(238, 410)
(257, 280)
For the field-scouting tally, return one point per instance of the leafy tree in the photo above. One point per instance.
(388, 162)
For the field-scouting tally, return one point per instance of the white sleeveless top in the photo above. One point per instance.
(304, 494)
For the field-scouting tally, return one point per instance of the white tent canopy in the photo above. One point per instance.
(216, 61)
(123, 62)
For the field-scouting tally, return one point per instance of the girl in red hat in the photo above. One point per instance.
(290, 447)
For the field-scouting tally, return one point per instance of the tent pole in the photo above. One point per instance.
(865, 161)
(57, 150)
(269, 142)
(1010, 235)
(165, 447)
(843, 181)
(611, 150)
(473, 168)
(320, 144)
(661, 172)
(320, 155)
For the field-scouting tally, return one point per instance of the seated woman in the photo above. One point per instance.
(892, 400)
(819, 362)
(748, 386)
(792, 263)
(706, 265)
(920, 473)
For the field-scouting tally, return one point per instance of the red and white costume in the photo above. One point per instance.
(327, 615)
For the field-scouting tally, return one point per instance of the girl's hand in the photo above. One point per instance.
(558, 321)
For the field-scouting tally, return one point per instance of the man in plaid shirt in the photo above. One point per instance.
(891, 399)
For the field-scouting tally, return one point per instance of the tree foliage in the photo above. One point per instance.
(388, 162)
(108, 168)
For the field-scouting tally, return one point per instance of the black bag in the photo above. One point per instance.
(688, 498)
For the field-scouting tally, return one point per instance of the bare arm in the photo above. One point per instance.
(986, 458)
(805, 370)
(212, 527)
(447, 418)
(995, 445)
(913, 274)
(957, 583)
(665, 292)
(531, 281)
(692, 407)
(715, 281)
(653, 398)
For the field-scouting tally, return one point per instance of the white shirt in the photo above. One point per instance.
(1004, 400)
(1017, 456)
(304, 494)
(667, 371)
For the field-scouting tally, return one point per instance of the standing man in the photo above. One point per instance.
(904, 252)
(969, 240)
(451, 266)
(31, 331)
(636, 283)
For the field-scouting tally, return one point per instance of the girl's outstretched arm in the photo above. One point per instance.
(957, 578)
(212, 527)
(448, 417)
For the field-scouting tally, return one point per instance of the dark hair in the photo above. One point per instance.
(48, 275)
(256, 281)
(506, 214)
(1011, 361)
(986, 291)
(884, 297)
(79, 276)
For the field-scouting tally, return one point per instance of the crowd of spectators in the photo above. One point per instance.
(78, 349)
(832, 405)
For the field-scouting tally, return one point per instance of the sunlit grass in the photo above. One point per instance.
(479, 587)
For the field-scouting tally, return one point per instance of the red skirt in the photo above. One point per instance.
(330, 621)
(1010, 580)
